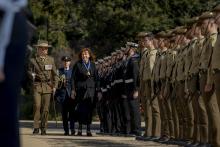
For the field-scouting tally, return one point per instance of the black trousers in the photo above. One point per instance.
(84, 111)
(107, 117)
(131, 116)
(116, 124)
(68, 111)
(100, 111)
(135, 115)
(126, 116)
(10, 88)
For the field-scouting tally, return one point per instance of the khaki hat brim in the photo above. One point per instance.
(38, 45)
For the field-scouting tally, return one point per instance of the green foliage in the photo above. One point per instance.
(105, 25)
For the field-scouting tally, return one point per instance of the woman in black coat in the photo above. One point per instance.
(85, 83)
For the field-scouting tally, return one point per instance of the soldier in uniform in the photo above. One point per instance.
(200, 134)
(184, 109)
(169, 91)
(104, 90)
(43, 71)
(215, 66)
(167, 131)
(143, 37)
(207, 89)
(153, 112)
(131, 79)
(115, 96)
(171, 76)
(100, 102)
(155, 83)
(189, 102)
(64, 97)
(118, 87)
(109, 94)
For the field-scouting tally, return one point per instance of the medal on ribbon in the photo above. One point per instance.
(87, 66)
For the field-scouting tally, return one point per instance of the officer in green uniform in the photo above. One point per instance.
(143, 38)
(207, 90)
(43, 71)
(215, 63)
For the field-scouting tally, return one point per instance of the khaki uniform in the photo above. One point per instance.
(173, 72)
(169, 95)
(45, 80)
(155, 96)
(165, 103)
(209, 97)
(144, 94)
(189, 115)
(153, 113)
(199, 109)
(215, 63)
(180, 94)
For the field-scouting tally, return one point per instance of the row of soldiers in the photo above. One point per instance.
(179, 85)
(119, 109)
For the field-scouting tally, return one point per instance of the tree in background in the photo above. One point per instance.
(105, 25)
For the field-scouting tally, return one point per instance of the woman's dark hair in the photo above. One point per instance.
(92, 56)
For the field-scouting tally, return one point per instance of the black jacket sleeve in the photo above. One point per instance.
(135, 71)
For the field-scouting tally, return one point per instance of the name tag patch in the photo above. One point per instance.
(48, 67)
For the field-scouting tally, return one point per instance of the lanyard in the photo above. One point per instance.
(87, 67)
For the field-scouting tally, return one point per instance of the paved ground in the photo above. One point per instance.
(55, 138)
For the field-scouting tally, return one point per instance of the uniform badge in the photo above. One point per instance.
(48, 67)
(88, 73)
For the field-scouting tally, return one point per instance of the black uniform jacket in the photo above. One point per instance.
(131, 74)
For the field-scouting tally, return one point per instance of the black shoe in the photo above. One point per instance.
(36, 131)
(43, 132)
(188, 142)
(143, 138)
(89, 133)
(73, 132)
(163, 139)
(66, 134)
(138, 133)
(171, 141)
(204, 145)
(79, 133)
(145, 135)
(154, 138)
(194, 144)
